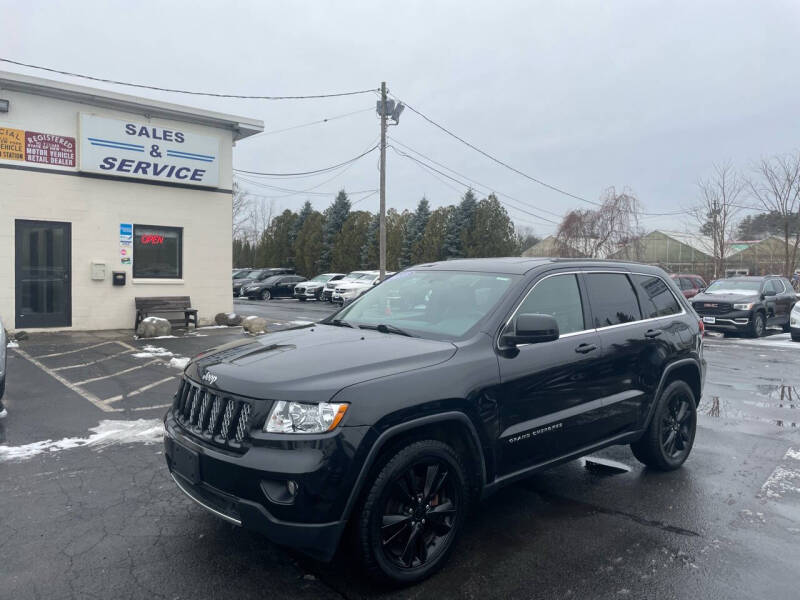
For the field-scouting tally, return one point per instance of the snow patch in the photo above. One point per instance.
(153, 351)
(107, 433)
(781, 481)
(179, 362)
(12, 344)
(792, 453)
(301, 322)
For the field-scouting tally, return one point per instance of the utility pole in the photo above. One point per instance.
(382, 215)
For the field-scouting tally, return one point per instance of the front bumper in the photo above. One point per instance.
(731, 321)
(244, 489)
(326, 295)
(307, 293)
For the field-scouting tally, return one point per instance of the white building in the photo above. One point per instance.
(95, 183)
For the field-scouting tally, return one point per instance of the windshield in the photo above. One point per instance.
(241, 274)
(322, 278)
(436, 304)
(734, 286)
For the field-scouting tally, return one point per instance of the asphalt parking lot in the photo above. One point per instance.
(87, 509)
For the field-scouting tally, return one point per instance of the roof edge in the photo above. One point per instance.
(242, 127)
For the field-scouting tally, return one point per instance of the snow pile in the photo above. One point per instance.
(107, 433)
(12, 344)
(179, 362)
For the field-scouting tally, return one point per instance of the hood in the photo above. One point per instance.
(313, 363)
(310, 284)
(726, 298)
(353, 285)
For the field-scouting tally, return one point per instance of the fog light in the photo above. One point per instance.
(291, 487)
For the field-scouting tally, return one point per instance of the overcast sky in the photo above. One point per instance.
(582, 95)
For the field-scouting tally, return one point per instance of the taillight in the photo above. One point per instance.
(702, 326)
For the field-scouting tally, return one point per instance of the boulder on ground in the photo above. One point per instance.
(154, 327)
(253, 324)
(228, 319)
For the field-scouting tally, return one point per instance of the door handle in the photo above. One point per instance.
(586, 348)
(653, 333)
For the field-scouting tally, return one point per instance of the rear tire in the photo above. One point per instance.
(758, 326)
(668, 440)
(412, 513)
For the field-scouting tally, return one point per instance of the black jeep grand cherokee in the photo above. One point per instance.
(432, 390)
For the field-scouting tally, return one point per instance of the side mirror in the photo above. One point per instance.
(532, 329)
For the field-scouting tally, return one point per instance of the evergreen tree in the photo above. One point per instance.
(493, 232)
(459, 227)
(308, 245)
(414, 232)
(335, 216)
(369, 249)
(432, 244)
(396, 224)
(346, 253)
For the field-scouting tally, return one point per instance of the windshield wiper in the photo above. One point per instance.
(339, 323)
(383, 328)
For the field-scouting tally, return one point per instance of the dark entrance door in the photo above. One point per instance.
(42, 274)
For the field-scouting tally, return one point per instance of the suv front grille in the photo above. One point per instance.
(299, 290)
(713, 308)
(212, 416)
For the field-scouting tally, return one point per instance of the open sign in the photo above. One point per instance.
(153, 240)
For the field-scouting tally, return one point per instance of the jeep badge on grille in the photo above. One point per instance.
(209, 378)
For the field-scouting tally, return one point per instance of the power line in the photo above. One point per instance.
(294, 192)
(515, 170)
(189, 92)
(314, 172)
(430, 168)
(488, 187)
(317, 122)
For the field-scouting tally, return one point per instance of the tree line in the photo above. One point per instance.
(340, 239)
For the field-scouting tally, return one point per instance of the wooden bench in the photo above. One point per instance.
(165, 304)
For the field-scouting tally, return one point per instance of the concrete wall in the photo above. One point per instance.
(96, 206)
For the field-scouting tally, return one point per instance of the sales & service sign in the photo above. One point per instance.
(146, 151)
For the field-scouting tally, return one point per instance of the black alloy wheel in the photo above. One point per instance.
(668, 439)
(676, 424)
(266, 295)
(418, 514)
(412, 513)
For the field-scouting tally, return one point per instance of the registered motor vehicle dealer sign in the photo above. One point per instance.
(146, 151)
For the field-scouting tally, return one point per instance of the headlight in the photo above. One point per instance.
(297, 417)
(743, 306)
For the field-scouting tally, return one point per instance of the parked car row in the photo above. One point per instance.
(280, 282)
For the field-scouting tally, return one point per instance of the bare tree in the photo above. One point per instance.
(776, 186)
(717, 209)
(596, 233)
(240, 206)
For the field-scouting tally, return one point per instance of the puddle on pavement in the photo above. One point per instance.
(761, 402)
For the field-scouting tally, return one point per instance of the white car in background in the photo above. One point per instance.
(350, 289)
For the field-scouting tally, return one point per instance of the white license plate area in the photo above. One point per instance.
(709, 320)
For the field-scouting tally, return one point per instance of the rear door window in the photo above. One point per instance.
(612, 299)
(559, 297)
(686, 283)
(656, 298)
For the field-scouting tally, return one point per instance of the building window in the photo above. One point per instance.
(157, 252)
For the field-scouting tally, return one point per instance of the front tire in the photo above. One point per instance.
(266, 295)
(668, 440)
(412, 513)
(758, 327)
